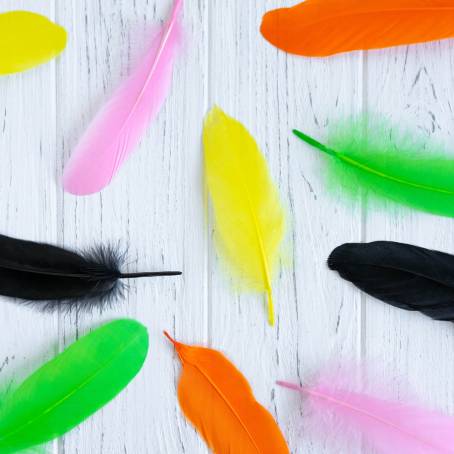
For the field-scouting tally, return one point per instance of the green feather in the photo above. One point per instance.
(389, 166)
(74, 385)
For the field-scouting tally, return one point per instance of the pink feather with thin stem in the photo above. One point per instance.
(118, 127)
(390, 427)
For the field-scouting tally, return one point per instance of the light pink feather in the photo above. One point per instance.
(390, 427)
(118, 127)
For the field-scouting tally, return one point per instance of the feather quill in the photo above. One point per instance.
(51, 278)
(118, 127)
(28, 40)
(250, 222)
(72, 386)
(218, 401)
(402, 275)
(364, 155)
(318, 28)
(390, 427)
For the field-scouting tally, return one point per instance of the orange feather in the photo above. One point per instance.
(326, 27)
(218, 401)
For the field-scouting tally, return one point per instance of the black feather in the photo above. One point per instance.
(405, 276)
(51, 277)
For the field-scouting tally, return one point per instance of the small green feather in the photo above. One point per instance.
(388, 165)
(74, 385)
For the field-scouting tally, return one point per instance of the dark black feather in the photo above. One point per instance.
(52, 277)
(405, 276)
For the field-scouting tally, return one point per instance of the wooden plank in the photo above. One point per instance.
(412, 87)
(317, 318)
(154, 206)
(27, 199)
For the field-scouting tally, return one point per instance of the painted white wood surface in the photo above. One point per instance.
(156, 207)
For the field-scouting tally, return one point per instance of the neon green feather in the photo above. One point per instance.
(361, 156)
(74, 385)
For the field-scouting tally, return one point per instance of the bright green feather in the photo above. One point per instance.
(399, 168)
(74, 385)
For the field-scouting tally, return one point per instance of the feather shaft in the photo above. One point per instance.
(314, 143)
(263, 258)
(165, 39)
(346, 404)
(149, 274)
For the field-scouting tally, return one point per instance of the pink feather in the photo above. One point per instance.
(390, 427)
(118, 127)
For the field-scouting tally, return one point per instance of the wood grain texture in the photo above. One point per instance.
(156, 207)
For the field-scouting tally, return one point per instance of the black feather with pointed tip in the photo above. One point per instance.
(50, 277)
(402, 275)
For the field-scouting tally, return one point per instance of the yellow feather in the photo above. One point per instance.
(27, 40)
(250, 221)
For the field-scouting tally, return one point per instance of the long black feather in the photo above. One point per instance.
(405, 276)
(51, 277)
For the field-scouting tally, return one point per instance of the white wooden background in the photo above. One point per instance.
(156, 206)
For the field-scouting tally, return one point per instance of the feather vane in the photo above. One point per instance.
(363, 156)
(405, 276)
(388, 426)
(217, 399)
(28, 40)
(250, 221)
(318, 28)
(72, 386)
(118, 127)
(51, 277)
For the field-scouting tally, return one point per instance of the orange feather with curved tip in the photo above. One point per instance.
(218, 401)
(318, 28)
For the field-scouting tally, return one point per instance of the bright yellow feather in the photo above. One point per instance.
(250, 221)
(27, 40)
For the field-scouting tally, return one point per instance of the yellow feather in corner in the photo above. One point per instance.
(249, 217)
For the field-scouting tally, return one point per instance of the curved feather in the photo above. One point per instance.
(74, 385)
(364, 156)
(28, 40)
(250, 221)
(118, 127)
(324, 27)
(402, 275)
(218, 400)
(390, 427)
